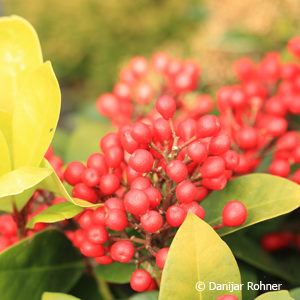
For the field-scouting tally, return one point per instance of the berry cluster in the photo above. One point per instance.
(149, 176)
(141, 82)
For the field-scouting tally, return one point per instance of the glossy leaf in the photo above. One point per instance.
(145, 296)
(19, 52)
(115, 272)
(5, 165)
(250, 252)
(5, 125)
(58, 296)
(280, 295)
(197, 254)
(55, 213)
(265, 196)
(45, 262)
(35, 116)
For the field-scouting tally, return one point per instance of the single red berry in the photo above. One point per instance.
(90, 177)
(238, 98)
(73, 172)
(108, 105)
(289, 141)
(166, 106)
(86, 219)
(122, 91)
(273, 242)
(276, 126)
(8, 226)
(4, 243)
(141, 161)
(227, 297)
(141, 133)
(97, 234)
(111, 139)
(131, 174)
(139, 66)
(215, 183)
(143, 93)
(208, 125)
(231, 159)
(161, 257)
(151, 221)
(197, 151)
(247, 137)
(104, 260)
(160, 61)
(154, 196)
(280, 167)
(162, 130)
(116, 219)
(175, 215)
(194, 208)
(128, 142)
(213, 166)
(122, 251)
(219, 144)
(177, 170)
(78, 238)
(91, 250)
(203, 105)
(202, 192)
(293, 46)
(140, 280)
(97, 161)
(136, 202)
(98, 216)
(187, 129)
(186, 191)
(234, 214)
(84, 192)
(153, 286)
(114, 203)
(114, 156)
(109, 183)
(140, 183)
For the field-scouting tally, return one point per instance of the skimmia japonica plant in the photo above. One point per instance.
(179, 171)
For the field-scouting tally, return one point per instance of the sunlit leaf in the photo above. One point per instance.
(5, 162)
(280, 295)
(197, 257)
(58, 296)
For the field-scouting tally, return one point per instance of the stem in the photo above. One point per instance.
(187, 143)
(131, 239)
(162, 153)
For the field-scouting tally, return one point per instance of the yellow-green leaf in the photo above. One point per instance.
(53, 184)
(5, 162)
(280, 295)
(55, 213)
(58, 296)
(265, 196)
(5, 126)
(197, 259)
(35, 117)
(19, 51)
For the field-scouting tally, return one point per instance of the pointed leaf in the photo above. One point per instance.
(19, 52)
(58, 296)
(35, 117)
(45, 262)
(265, 196)
(197, 255)
(280, 295)
(55, 213)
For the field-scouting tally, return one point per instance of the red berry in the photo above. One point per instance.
(78, 238)
(4, 243)
(151, 221)
(166, 106)
(109, 183)
(175, 215)
(73, 172)
(247, 137)
(114, 156)
(154, 196)
(143, 93)
(97, 234)
(186, 191)
(234, 214)
(213, 166)
(141, 133)
(123, 91)
(86, 219)
(84, 192)
(136, 202)
(161, 257)
(194, 208)
(98, 216)
(139, 66)
(110, 140)
(91, 250)
(8, 226)
(219, 144)
(140, 280)
(274, 242)
(140, 183)
(280, 167)
(160, 61)
(197, 151)
(187, 129)
(294, 46)
(116, 219)
(114, 203)
(122, 251)
(162, 130)
(288, 141)
(141, 161)
(231, 159)
(104, 260)
(108, 105)
(90, 177)
(276, 126)
(208, 125)
(177, 170)
(97, 161)
(131, 174)
(215, 183)
(128, 142)
(227, 297)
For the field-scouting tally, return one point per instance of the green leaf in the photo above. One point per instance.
(115, 272)
(53, 184)
(19, 52)
(265, 196)
(280, 295)
(248, 274)
(145, 296)
(36, 113)
(58, 296)
(45, 262)
(295, 293)
(197, 255)
(5, 165)
(86, 288)
(250, 252)
(85, 139)
(55, 213)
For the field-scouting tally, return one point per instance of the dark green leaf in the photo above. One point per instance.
(248, 274)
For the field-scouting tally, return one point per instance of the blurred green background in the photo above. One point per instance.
(88, 41)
